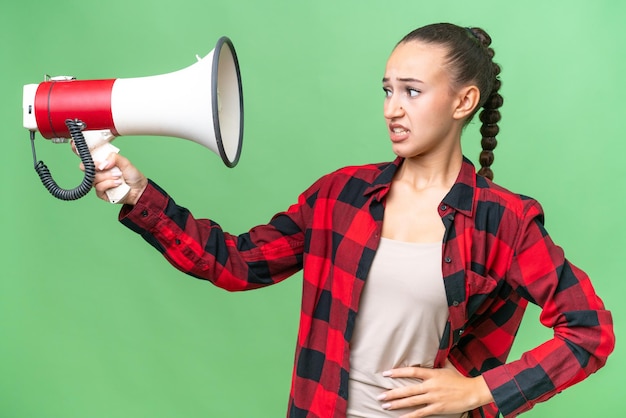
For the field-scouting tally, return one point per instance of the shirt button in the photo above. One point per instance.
(444, 207)
(461, 331)
(177, 241)
(455, 303)
(144, 213)
(447, 260)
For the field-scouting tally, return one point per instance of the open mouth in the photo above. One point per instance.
(398, 133)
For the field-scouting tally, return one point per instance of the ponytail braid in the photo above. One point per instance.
(490, 115)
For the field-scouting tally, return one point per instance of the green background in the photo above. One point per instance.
(94, 323)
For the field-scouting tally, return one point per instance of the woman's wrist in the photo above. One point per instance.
(136, 192)
(483, 394)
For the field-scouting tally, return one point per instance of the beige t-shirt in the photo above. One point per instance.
(402, 316)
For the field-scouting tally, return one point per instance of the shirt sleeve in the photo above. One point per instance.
(583, 331)
(262, 256)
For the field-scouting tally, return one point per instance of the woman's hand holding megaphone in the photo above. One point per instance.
(115, 170)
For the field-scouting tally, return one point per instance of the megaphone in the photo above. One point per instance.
(202, 103)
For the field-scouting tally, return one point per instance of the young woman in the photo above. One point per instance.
(416, 272)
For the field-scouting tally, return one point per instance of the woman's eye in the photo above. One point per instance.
(387, 92)
(413, 92)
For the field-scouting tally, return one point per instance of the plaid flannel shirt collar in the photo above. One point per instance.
(460, 196)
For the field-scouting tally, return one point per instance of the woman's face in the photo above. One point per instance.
(420, 103)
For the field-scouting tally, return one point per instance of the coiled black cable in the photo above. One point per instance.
(81, 190)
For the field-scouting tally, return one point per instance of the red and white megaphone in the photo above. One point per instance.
(202, 103)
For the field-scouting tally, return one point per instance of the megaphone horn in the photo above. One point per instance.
(202, 103)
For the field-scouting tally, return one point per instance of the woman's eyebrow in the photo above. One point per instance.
(404, 79)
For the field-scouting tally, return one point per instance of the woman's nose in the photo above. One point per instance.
(392, 108)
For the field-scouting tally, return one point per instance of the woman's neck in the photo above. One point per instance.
(433, 170)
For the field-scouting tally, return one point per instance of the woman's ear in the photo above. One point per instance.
(468, 100)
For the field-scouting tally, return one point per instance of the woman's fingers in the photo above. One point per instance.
(107, 179)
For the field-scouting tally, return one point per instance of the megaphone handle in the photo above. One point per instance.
(100, 153)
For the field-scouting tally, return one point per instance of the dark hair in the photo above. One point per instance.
(470, 60)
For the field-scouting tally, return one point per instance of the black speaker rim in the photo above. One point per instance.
(224, 40)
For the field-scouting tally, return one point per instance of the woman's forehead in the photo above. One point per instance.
(416, 60)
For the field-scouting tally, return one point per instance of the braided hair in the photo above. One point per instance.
(470, 60)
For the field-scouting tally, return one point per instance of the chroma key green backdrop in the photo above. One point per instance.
(94, 323)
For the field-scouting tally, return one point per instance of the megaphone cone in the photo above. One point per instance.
(202, 103)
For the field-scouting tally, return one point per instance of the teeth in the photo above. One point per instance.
(399, 130)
